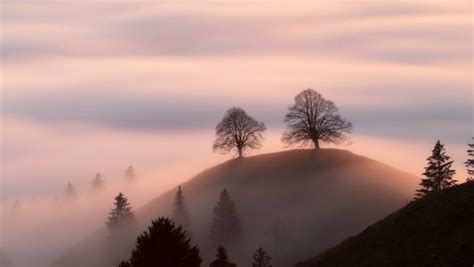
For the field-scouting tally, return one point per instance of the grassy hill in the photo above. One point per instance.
(437, 230)
(294, 203)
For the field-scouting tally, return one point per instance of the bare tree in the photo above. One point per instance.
(238, 131)
(313, 119)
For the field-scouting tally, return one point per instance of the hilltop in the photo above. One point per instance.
(294, 203)
(437, 230)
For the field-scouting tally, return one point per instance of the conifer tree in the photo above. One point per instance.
(98, 182)
(130, 174)
(470, 163)
(261, 258)
(438, 173)
(180, 212)
(121, 215)
(222, 260)
(226, 226)
(164, 244)
(70, 190)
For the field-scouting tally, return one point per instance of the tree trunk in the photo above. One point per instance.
(240, 152)
(316, 144)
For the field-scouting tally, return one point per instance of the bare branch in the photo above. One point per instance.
(238, 131)
(313, 119)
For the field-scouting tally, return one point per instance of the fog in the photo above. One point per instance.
(38, 228)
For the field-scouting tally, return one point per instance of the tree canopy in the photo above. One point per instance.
(438, 172)
(238, 131)
(121, 214)
(261, 258)
(313, 119)
(164, 244)
(180, 211)
(470, 163)
(222, 260)
(226, 226)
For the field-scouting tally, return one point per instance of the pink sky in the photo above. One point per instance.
(96, 86)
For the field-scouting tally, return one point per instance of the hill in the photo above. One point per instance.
(294, 203)
(437, 230)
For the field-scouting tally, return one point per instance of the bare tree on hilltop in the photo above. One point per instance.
(313, 120)
(238, 131)
(470, 163)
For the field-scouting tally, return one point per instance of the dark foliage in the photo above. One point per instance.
(436, 230)
(164, 244)
(470, 163)
(98, 182)
(125, 264)
(226, 227)
(261, 258)
(130, 174)
(121, 215)
(222, 260)
(238, 131)
(313, 119)
(438, 173)
(180, 211)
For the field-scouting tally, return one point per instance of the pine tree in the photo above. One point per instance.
(70, 190)
(98, 182)
(130, 174)
(164, 244)
(438, 173)
(221, 259)
(226, 227)
(470, 163)
(261, 258)
(180, 212)
(121, 215)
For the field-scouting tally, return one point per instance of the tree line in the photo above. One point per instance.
(98, 182)
(167, 242)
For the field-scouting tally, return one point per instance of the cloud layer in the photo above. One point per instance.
(399, 70)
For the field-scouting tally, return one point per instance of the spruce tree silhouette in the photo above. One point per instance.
(70, 190)
(221, 259)
(164, 244)
(438, 173)
(130, 174)
(121, 215)
(470, 163)
(180, 211)
(261, 258)
(226, 227)
(98, 182)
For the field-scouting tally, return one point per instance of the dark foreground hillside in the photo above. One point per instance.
(437, 230)
(294, 203)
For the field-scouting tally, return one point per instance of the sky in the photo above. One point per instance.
(95, 86)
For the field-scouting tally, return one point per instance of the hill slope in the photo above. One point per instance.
(294, 203)
(437, 230)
